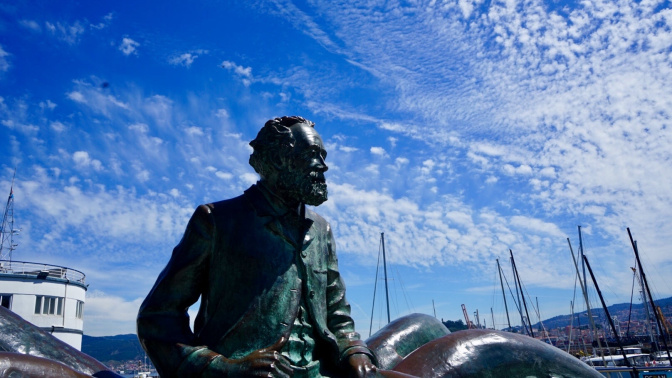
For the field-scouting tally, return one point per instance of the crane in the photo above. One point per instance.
(470, 325)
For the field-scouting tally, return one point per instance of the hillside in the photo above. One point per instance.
(621, 311)
(108, 349)
(121, 348)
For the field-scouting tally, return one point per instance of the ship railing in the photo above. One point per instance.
(41, 271)
(639, 371)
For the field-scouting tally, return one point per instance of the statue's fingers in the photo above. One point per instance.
(277, 346)
(283, 366)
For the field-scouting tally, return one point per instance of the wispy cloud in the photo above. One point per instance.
(128, 46)
(186, 59)
(4, 62)
(31, 25)
(69, 33)
(104, 23)
(244, 73)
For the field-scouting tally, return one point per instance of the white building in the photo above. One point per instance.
(50, 297)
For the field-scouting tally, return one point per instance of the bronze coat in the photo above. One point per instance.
(244, 258)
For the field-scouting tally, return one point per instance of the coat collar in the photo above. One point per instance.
(291, 225)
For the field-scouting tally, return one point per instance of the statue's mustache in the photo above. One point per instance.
(317, 176)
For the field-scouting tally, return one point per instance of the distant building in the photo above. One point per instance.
(50, 297)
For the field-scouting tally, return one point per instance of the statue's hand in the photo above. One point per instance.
(266, 362)
(361, 366)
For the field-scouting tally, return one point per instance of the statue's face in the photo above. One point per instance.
(303, 175)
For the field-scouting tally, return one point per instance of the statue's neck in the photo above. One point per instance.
(278, 200)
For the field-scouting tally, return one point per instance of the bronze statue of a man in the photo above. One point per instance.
(265, 268)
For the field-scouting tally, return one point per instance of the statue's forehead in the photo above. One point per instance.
(304, 134)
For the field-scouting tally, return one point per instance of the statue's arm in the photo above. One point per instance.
(339, 321)
(163, 322)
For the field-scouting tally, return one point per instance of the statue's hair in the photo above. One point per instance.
(272, 143)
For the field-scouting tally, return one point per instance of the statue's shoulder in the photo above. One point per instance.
(317, 219)
(227, 205)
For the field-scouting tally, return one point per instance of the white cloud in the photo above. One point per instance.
(224, 175)
(4, 63)
(107, 314)
(522, 169)
(142, 175)
(57, 126)
(185, 59)
(65, 32)
(107, 20)
(76, 96)
(96, 99)
(401, 161)
(249, 178)
(128, 46)
(222, 113)
(139, 127)
(194, 131)
(245, 73)
(31, 25)
(48, 105)
(83, 160)
(19, 126)
(174, 192)
(347, 149)
(378, 151)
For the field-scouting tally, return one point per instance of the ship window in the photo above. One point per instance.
(80, 309)
(49, 305)
(6, 300)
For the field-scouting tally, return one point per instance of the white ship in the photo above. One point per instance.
(51, 297)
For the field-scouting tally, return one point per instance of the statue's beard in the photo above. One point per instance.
(310, 189)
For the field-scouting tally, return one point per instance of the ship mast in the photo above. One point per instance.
(7, 230)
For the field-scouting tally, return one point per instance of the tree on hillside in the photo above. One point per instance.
(454, 325)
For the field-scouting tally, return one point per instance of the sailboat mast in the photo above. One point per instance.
(645, 302)
(583, 267)
(571, 325)
(518, 303)
(611, 321)
(506, 307)
(492, 314)
(585, 297)
(387, 295)
(646, 283)
(7, 227)
(522, 294)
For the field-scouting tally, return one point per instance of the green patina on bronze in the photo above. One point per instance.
(253, 260)
(259, 260)
(272, 299)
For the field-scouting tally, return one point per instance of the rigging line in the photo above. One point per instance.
(511, 292)
(536, 310)
(494, 290)
(403, 291)
(632, 293)
(494, 295)
(375, 285)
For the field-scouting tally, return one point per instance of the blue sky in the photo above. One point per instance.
(461, 129)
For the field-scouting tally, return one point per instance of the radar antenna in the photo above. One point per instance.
(7, 230)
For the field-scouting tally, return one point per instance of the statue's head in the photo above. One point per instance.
(289, 156)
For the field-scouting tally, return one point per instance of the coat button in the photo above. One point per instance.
(326, 332)
(311, 294)
(304, 254)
